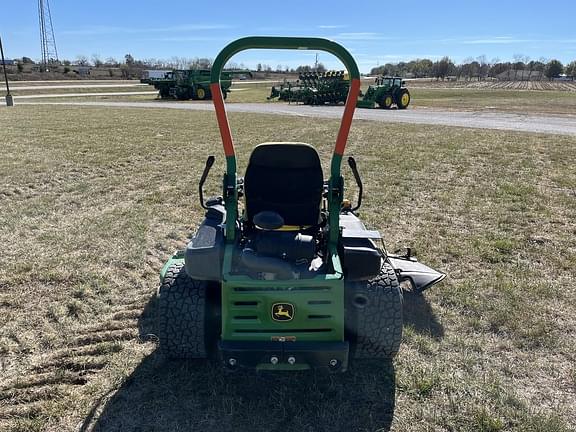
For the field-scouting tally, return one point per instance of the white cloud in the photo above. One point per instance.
(495, 40)
(332, 26)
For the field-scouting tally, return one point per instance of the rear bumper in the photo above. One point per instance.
(276, 355)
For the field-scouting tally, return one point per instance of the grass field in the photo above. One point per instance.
(515, 101)
(551, 102)
(497, 85)
(92, 201)
(45, 91)
(460, 99)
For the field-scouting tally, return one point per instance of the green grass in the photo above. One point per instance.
(94, 200)
(242, 92)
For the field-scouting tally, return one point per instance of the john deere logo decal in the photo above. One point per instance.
(282, 312)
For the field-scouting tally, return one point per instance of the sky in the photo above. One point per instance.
(374, 32)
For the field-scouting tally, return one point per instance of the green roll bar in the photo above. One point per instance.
(300, 43)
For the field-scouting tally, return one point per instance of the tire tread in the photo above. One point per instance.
(181, 315)
(379, 323)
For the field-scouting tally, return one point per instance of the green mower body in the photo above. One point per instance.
(292, 279)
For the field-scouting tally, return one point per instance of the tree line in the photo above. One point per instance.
(522, 68)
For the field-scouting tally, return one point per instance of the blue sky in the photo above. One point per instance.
(375, 32)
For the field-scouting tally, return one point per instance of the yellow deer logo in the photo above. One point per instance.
(282, 312)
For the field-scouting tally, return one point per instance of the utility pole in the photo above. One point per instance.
(316, 64)
(9, 99)
(47, 40)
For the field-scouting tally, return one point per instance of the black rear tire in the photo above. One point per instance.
(377, 319)
(182, 315)
(164, 93)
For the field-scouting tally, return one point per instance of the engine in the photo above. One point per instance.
(275, 254)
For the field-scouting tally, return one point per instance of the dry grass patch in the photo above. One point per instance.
(93, 200)
(80, 89)
(552, 102)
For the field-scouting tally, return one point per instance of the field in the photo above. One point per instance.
(497, 85)
(16, 92)
(513, 101)
(549, 98)
(94, 200)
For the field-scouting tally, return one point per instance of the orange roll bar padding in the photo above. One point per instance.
(222, 119)
(349, 108)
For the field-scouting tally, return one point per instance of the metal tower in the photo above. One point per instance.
(47, 41)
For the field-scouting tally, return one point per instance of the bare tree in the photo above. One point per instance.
(443, 67)
(570, 69)
(82, 60)
(484, 66)
(519, 64)
(96, 61)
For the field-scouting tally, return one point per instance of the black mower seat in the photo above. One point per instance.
(285, 178)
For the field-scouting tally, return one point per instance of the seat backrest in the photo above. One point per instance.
(285, 178)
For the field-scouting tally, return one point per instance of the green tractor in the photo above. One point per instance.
(385, 92)
(294, 281)
(189, 84)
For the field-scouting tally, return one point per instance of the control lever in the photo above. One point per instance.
(354, 168)
(209, 163)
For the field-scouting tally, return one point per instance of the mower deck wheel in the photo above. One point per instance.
(182, 315)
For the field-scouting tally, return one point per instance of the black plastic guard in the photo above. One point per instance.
(422, 276)
(361, 259)
(203, 255)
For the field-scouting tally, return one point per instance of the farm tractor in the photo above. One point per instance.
(293, 280)
(190, 84)
(385, 92)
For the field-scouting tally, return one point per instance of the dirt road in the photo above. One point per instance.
(563, 125)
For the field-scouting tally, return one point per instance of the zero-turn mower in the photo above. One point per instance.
(294, 281)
